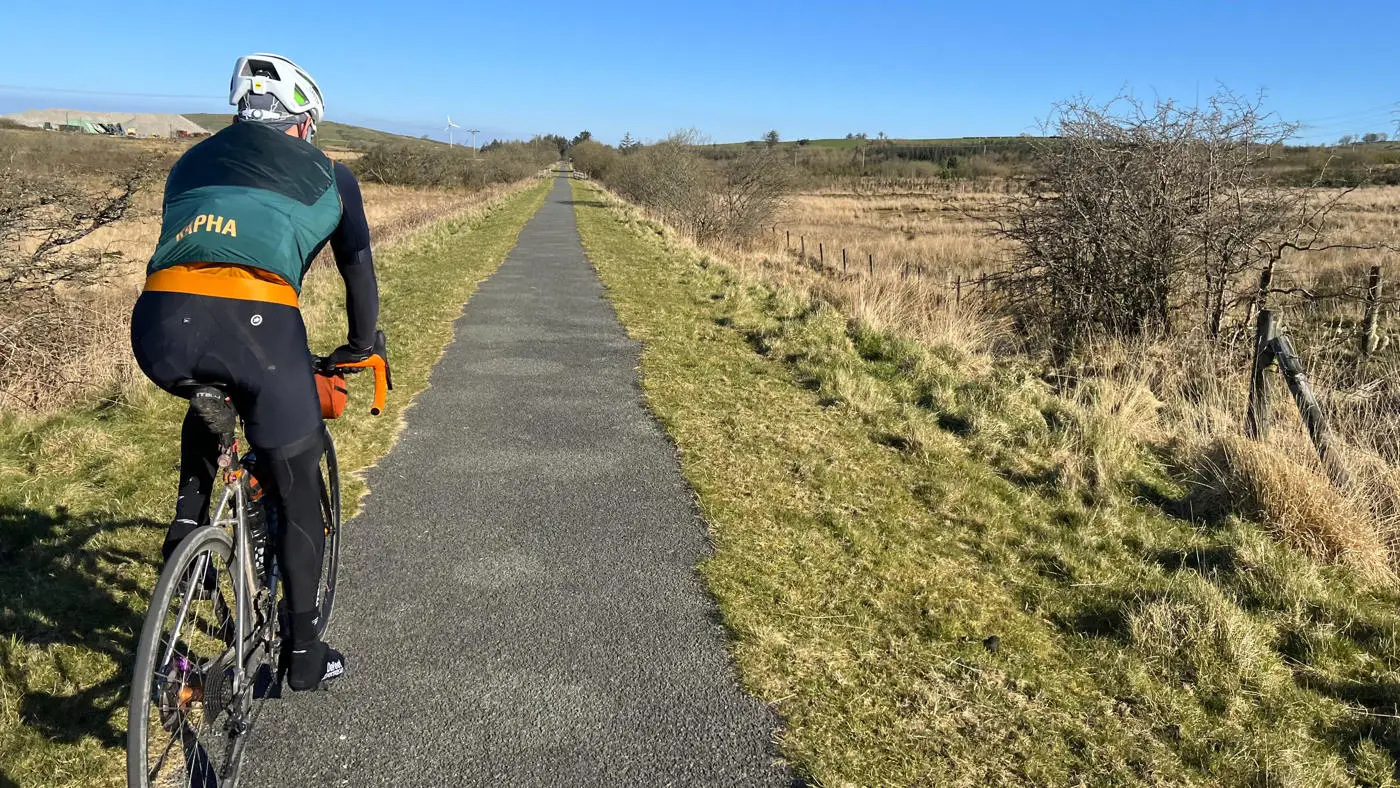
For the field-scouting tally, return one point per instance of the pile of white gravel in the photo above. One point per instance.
(146, 124)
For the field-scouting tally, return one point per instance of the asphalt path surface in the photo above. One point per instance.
(519, 602)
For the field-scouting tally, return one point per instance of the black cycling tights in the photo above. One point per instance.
(302, 535)
(257, 352)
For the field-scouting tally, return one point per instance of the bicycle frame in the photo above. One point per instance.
(232, 513)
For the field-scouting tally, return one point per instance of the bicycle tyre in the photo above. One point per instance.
(330, 512)
(149, 647)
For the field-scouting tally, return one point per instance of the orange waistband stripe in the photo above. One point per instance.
(223, 281)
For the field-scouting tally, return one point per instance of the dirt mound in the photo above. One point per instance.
(146, 124)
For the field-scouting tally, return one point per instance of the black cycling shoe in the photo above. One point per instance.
(314, 666)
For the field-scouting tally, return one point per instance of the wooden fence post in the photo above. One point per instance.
(1369, 340)
(872, 263)
(1292, 368)
(1256, 420)
(803, 239)
(821, 254)
(959, 296)
(843, 261)
(789, 239)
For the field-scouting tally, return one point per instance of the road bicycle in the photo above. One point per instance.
(210, 652)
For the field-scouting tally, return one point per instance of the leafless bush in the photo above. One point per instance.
(725, 201)
(594, 159)
(1153, 218)
(429, 165)
(48, 313)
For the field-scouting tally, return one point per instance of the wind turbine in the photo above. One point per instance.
(449, 128)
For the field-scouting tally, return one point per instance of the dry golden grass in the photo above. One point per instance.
(944, 231)
(1292, 501)
(1181, 396)
(97, 357)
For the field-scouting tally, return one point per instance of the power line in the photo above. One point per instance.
(1391, 106)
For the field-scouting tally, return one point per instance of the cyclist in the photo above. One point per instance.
(245, 213)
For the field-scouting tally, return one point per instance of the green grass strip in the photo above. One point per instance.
(875, 525)
(85, 496)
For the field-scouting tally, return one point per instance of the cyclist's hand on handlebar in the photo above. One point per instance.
(348, 354)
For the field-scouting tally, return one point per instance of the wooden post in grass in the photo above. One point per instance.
(821, 254)
(1256, 420)
(843, 261)
(1292, 368)
(803, 239)
(1373, 311)
(959, 291)
(789, 239)
(872, 263)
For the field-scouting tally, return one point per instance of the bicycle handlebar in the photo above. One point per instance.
(378, 362)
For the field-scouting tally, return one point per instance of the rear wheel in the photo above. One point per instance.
(330, 513)
(185, 723)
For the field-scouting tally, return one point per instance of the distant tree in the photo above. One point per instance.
(1374, 137)
(582, 136)
(559, 141)
(882, 135)
(1346, 139)
(771, 138)
(856, 135)
(804, 141)
(627, 143)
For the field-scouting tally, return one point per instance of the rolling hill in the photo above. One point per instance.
(329, 134)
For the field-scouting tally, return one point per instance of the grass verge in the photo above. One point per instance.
(946, 575)
(85, 495)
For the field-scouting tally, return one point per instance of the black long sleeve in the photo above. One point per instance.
(351, 248)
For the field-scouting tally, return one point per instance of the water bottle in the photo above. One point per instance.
(256, 514)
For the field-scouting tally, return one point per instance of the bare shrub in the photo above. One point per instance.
(1148, 218)
(712, 201)
(442, 166)
(593, 158)
(49, 313)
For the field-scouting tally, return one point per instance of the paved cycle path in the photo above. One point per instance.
(519, 604)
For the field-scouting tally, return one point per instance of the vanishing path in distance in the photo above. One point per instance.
(519, 604)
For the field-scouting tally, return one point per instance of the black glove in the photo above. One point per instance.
(348, 354)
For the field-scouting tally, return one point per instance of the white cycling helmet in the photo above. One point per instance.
(272, 88)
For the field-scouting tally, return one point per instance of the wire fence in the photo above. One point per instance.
(953, 288)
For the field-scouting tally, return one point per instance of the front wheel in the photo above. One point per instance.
(330, 513)
(184, 718)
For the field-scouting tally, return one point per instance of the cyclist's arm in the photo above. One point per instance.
(350, 245)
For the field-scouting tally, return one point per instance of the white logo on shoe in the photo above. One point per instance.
(257, 320)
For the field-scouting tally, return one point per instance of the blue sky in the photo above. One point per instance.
(731, 69)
